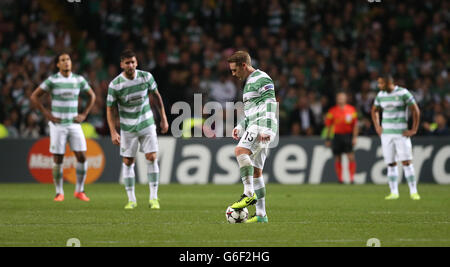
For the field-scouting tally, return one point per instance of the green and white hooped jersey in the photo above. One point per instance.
(65, 92)
(260, 106)
(131, 97)
(395, 109)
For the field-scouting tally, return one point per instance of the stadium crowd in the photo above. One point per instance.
(311, 49)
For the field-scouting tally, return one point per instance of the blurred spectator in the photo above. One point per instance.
(366, 127)
(364, 99)
(223, 90)
(12, 124)
(96, 118)
(302, 119)
(12, 130)
(317, 108)
(30, 127)
(439, 127)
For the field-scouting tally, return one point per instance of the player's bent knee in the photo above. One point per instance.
(240, 151)
(244, 160)
(151, 157)
(58, 159)
(128, 161)
(257, 172)
(81, 157)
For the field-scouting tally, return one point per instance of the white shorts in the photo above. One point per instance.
(259, 150)
(129, 142)
(61, 134)
(396, 148)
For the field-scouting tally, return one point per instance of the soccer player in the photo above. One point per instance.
(64, 88)
(255, 132)
(394, 102)
(129, 93)
(343, 118)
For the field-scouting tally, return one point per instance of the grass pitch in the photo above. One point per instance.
(305, 215)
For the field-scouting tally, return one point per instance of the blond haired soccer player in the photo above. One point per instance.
(395, 102)
(64, 88)
(254, 133)
(129, 93)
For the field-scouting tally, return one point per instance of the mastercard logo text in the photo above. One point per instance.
(40, 162)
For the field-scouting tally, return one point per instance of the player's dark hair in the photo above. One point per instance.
(388, 78)
(56, 60)
(127, 53)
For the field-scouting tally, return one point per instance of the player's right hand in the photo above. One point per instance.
(53, 119)
(164, 126)
(236, 133)
(379, 131)
(115, 138)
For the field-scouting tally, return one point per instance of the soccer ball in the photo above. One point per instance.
(236, 216)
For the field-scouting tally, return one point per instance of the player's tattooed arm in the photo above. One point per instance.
(162, 112)
(376, 119)
(82, 116)
(34, 98)
(416, 121)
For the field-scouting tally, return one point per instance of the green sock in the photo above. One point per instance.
(58, 178)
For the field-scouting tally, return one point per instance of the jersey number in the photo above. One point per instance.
(249, 136)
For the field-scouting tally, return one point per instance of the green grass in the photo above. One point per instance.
(306, 215)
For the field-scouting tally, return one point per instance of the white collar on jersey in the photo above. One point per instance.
(251, 75)
(134, 78)
(70, 75)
